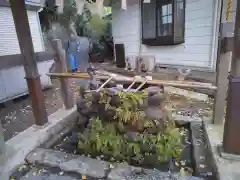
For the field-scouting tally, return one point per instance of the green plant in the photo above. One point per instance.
(69, 14)
(129, 109)
(96, 26)
(103, 138)
(149, 139)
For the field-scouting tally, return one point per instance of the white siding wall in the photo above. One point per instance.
(125, 26)
(35, 2)
(197, 49)
(8, 37)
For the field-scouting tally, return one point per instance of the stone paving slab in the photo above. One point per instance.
(69, 163)
(200, 151)
(158, 175)
(32, 176)
(122, 170)
(95, 168)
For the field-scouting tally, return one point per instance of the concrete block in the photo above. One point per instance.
(226, 169)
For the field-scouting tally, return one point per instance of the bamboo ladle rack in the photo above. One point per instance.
(104, 75)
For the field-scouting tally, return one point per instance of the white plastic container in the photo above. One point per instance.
(146, 64)
(131, 63)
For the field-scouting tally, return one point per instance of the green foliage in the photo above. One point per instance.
(103, 138)
(47, 15)
(96, 26)
(117, 140)
(69, 14)
(166, 145)
(129, 110)
(107, 11)
(82, 20)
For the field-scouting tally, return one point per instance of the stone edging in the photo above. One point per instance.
(200, 150)
(97, 168)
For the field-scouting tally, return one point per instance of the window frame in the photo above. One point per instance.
(169, 39)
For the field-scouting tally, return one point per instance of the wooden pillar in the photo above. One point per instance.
(222, 80)
(30, 64)
(61, 67)
(2, 142)
(231, 140)
(223, 61)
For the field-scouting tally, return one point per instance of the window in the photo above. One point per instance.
(163, 22)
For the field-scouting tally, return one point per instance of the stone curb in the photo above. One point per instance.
(97, 168)
(69, 163)
(200, 149)
(224, 169)
(183, 118)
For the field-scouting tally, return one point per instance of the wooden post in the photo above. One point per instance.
(223, 62)
(231, 140)
(2, 142)
(30, 64)
(61, 66)
(222, 80)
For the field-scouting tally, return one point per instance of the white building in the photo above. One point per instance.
(176, 32)
(12, 75)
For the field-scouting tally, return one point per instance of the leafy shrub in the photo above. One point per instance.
(127, 135)
(104, 139)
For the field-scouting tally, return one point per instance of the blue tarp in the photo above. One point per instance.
(73, 62)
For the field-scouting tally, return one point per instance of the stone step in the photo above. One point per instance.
(201, 151)
(69, 163)
(33, 176)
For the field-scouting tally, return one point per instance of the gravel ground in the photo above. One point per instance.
(17, 114)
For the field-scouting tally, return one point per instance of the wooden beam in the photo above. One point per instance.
(223, 61)
(231, 140)
(222, 82)
(2, 142)
(61, 66)
(30, 64)
(14, 60)
(121, 79)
